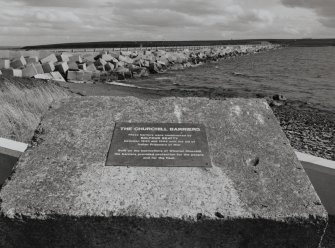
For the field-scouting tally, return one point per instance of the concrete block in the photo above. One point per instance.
(17, 73)
(76, 58)
(18, 63)
(50, 58)
(15, 54)
(80, 75)
(31, 60)
(91, 67)
(57, 76)
(73, 66)
(87, 76)
(126, 59)
(82, 66)
(10, 151)
(138, 61)
(44, 54)
(120, 64)
(44, 76)
(96, 76)
(12, 72)
(256, 194)
(68, 54)
(100, 62)
(107, 57)
(71, 75)
(115, 54)
(39, 68)
(75, 75)
(100, 68)
(109, 66)
(30, 53)
(62, 58)
(146, 63)
(4, 63)
(114, 60)
(126, 53)
(62, 67)
(48, 67)
(29, 71)
(88, 58)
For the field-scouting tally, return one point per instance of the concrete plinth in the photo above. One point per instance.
(255, 195)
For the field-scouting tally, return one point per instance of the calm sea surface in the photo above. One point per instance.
(305, 73)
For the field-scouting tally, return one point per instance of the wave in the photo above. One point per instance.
(240, 74)
(130, 85)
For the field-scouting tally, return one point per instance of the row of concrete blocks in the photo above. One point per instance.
(55, 75)
(73, 68)
(51, 67)
(79, 75)
(30, 67)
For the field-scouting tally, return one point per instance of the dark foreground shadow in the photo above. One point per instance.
(329, 238)
(64, 231)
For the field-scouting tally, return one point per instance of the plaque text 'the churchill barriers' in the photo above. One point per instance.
(159, 145)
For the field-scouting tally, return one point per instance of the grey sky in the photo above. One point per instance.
(26, 22)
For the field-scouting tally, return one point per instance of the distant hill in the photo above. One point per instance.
(121, 44)
(9, 47)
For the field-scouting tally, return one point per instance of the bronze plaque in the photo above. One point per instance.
(159, 145)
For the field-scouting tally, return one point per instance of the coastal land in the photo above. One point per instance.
(125, 44)
(116, 73)
(309, 129)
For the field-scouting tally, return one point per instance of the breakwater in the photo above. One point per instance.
(101, 65)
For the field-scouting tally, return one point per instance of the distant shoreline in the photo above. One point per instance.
(146, 44)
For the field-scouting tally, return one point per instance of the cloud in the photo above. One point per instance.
(324, 8)
(61, 3)
(28, 22)
(189, 14)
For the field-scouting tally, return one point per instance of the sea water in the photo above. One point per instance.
(305, 74)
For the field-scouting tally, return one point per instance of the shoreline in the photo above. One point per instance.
(308, 129)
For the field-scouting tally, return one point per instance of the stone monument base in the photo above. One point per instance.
(256, 194)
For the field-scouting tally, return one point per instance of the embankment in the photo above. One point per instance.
(23, 102)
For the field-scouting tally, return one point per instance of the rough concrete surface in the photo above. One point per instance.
(257, 194)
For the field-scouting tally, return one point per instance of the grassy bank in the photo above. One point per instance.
(23, 102)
